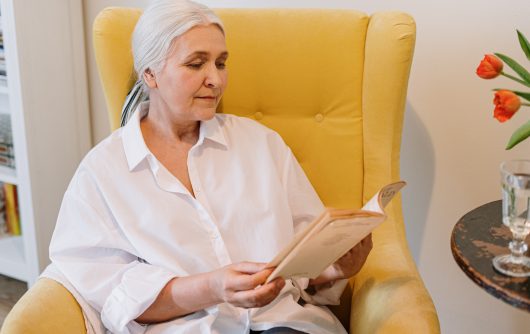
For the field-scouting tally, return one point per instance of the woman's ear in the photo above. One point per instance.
(150, 79)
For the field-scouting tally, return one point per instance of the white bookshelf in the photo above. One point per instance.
(46, 96)
(8, 175)
(13, 261)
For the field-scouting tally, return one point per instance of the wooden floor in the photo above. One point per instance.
(10, 291)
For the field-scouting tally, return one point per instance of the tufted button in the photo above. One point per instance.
(258, 115)
(319, 117)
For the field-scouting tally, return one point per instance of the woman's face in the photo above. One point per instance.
(194, 77)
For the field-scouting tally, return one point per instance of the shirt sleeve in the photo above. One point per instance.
(96, 258)
(305, 206)
(303, 200)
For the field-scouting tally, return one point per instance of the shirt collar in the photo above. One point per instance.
(133, 141)
(212, 130)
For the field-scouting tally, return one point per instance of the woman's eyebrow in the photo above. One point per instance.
(204, 54)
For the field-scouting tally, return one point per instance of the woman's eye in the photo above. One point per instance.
(220, 65)
(195, 65)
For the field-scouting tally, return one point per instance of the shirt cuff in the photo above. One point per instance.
(326, 294)
(137, 290)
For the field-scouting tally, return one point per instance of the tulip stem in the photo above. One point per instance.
(516, 79)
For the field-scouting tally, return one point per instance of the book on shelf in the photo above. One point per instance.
(7, 161)
(6, 135)
(6, 149)
(6, 142)
(12, 216)
(330, 236)
(3, 222)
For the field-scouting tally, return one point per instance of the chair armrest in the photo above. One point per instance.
(388, 293)
(47, 307)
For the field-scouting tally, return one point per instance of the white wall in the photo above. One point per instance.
(452, 146)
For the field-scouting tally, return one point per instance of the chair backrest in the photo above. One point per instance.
(333, 83)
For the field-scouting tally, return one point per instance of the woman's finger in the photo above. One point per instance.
(367, 240)
(248, 267)
(260, 296)
(242, 281)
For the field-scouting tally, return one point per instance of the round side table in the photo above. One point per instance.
(477, 238)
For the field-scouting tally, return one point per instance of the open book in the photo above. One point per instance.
(330, 236)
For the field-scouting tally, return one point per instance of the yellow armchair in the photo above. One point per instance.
(333, 83)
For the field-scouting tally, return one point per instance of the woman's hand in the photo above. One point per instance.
(238, 284)
(348, 265)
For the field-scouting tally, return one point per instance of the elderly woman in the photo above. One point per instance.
(168, 223)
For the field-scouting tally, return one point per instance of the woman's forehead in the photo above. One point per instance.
(202, 40)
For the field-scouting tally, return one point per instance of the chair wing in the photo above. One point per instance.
(112, 31)
(389, 295)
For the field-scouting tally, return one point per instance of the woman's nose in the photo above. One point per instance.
(213, 77)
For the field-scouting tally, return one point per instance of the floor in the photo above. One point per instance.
(10, 291)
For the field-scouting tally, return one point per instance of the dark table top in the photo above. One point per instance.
(477, 238)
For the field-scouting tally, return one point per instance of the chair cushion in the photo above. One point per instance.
(303, 78)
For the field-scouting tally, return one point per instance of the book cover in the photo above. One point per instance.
(11, 209)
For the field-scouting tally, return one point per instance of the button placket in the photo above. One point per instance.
(192, 171)
(205, 214)
(213, 234)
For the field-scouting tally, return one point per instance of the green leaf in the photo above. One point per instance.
(509, 76)
(524, 44)
(524, 95)
(519, 135)
(521, 71)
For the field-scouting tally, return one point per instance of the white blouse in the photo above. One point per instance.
(127, 226)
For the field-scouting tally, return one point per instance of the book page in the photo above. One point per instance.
(306, 233)
(330, 236)
(380, 200)
(327, 246)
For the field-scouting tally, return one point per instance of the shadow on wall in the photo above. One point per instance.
(417, 168)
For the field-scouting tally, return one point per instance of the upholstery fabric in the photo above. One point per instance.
(45, 308)
(333, 83)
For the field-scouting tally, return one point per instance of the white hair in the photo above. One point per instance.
(159, 25)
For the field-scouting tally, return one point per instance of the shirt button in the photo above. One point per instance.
(319, 117)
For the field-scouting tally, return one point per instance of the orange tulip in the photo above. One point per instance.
(490, 67)
(506, 105)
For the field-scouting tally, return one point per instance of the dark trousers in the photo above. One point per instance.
(278, 330)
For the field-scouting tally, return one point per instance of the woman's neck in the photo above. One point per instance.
(161, 122)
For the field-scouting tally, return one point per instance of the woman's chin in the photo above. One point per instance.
(206, 114)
